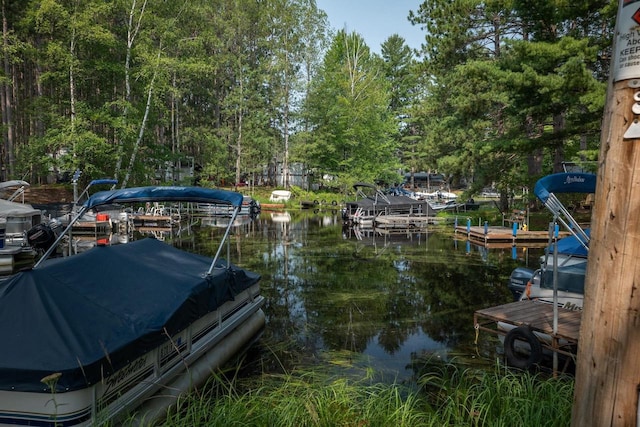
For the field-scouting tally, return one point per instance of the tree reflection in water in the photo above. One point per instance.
(340, 297)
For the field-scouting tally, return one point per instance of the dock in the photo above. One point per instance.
(92, 228)
(404, 222)
(497, 236)
(538, 316)
(153, 220)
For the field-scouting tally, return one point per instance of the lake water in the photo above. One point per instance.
(349, 299)
(352, 300)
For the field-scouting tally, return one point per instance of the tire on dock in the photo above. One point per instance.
(513, 350)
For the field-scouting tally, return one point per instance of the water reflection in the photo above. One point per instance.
(337, 296)
(384, 298)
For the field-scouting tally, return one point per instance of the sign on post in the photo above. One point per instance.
(627, 54)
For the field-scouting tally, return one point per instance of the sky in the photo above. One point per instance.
(374, 20)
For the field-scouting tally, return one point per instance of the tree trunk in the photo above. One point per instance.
(7, 158)
(608, 371)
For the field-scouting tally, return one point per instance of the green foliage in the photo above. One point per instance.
(353, 131)
(501, 109)
(504, 90)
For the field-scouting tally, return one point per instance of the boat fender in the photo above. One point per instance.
(515, 357)
(527, 290)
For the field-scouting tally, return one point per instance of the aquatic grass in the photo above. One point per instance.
(448, 396)
(499, 398)
(303, 399)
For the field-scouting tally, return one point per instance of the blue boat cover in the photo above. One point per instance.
(164, 194)
(103, 181)
(570, 245)
(565, 183)
(88, 315)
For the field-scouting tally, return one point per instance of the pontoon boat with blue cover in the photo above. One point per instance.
(560, 279)
(117, 333)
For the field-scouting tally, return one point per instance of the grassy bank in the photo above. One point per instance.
(446, 396)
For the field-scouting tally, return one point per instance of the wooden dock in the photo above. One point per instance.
(153, 220)
(496, 235)
(539, 317)
(404, 222)
(92, 228)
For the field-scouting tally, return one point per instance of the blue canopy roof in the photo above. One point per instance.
(103, 181)
(565, 183)
(164, 194)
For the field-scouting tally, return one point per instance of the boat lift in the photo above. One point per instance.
(537, 318)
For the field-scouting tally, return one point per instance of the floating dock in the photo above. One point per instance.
(404, 222)
(497, 236)
(538, 316)
(153, 220)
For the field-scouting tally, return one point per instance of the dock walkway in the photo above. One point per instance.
(539, 317)
(405, 222)
(496, 235)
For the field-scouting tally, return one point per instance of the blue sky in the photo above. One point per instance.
(374, 20)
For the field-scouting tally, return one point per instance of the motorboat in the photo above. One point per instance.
(117, 333)
(562, 268)
(559, 281)
(570, 263)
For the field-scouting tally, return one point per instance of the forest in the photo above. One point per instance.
(264, 91)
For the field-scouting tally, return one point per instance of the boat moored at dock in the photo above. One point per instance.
(83, 347)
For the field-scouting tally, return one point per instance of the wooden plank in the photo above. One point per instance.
(538, 315)
(608, 371)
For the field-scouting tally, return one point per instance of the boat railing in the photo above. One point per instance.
(562, 215)
(154, 195)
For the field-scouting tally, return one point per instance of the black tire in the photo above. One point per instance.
(514, 357)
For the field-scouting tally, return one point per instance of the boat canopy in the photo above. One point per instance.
(13, 183)
(565, 183)
(17, 210)
(103, 181)
(164, 194)
(91, 314)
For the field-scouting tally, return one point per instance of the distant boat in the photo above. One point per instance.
(372, 202)
(118, 333)
(15, 220)
(439, 195)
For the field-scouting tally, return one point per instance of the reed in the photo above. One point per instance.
(447, 395)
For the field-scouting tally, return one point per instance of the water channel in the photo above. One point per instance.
(354, 299)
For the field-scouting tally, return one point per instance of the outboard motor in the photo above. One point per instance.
(43, 235)
(518, 281)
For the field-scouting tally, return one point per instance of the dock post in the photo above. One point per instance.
(486, 232)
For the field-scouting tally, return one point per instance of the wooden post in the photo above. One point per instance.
(608, 371)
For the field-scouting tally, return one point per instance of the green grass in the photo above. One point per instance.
(446, 395)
